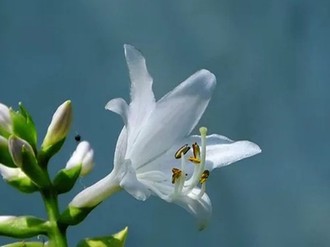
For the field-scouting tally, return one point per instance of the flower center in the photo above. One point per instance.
(199, 176)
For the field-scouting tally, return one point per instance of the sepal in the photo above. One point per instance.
(74, 215)
(22, 226)
(23, 126)
(116, 240)
(66, 178)
(5, 157)
(18, 179)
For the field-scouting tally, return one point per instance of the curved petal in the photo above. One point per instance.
(174, 117)
(201, 208)
(157, 182)
(221, 151)
(120, 107)
(142, 96)
(131, 184)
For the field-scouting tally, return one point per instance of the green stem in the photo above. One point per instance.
(56, 233)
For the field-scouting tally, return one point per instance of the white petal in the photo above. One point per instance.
(174, 117)
(120, 107)
(142, 96)
(221, 151)
(121, 147)
(157, 182)
(87, 163)
(201, 208)
(131, 184)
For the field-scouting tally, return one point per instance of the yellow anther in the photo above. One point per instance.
(181, 151)
(176, 174)
(197, 153)
(194, 160)
(204, 176)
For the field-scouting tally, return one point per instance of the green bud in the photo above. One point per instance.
(22, 227)
(26, 244)
(66, 178)
(5, 157)
(59, 126)
(15, 145)
(18, 179)
(24, 157)
(23, 126)
(116, 240)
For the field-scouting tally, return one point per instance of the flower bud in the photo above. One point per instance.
(59, 126)
(22, 227)
(24, 158)
(18, 179)
(6, 123)
(83, 155)
(16, 145)
(9, 173)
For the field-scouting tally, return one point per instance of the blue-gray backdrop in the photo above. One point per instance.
(271, 59)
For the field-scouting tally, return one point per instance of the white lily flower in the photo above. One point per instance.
(153, 154)
(84, 156)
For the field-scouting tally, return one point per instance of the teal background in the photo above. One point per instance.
(271, 59)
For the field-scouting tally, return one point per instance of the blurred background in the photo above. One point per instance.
(271, 59)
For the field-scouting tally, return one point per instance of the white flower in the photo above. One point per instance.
(156, 132)
(83, 155)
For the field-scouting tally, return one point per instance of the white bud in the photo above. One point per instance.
(60, 125)
(9, 173)
(5, 119)
(84, 156)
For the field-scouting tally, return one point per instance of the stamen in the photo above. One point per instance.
(204, 176)
(176, 174)
(196, 152)
(198, 169)
(181, 151)
(179, 177)
(202, 191)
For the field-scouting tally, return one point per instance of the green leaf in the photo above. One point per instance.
(22, 227)
(116, 240)
(66, 178)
